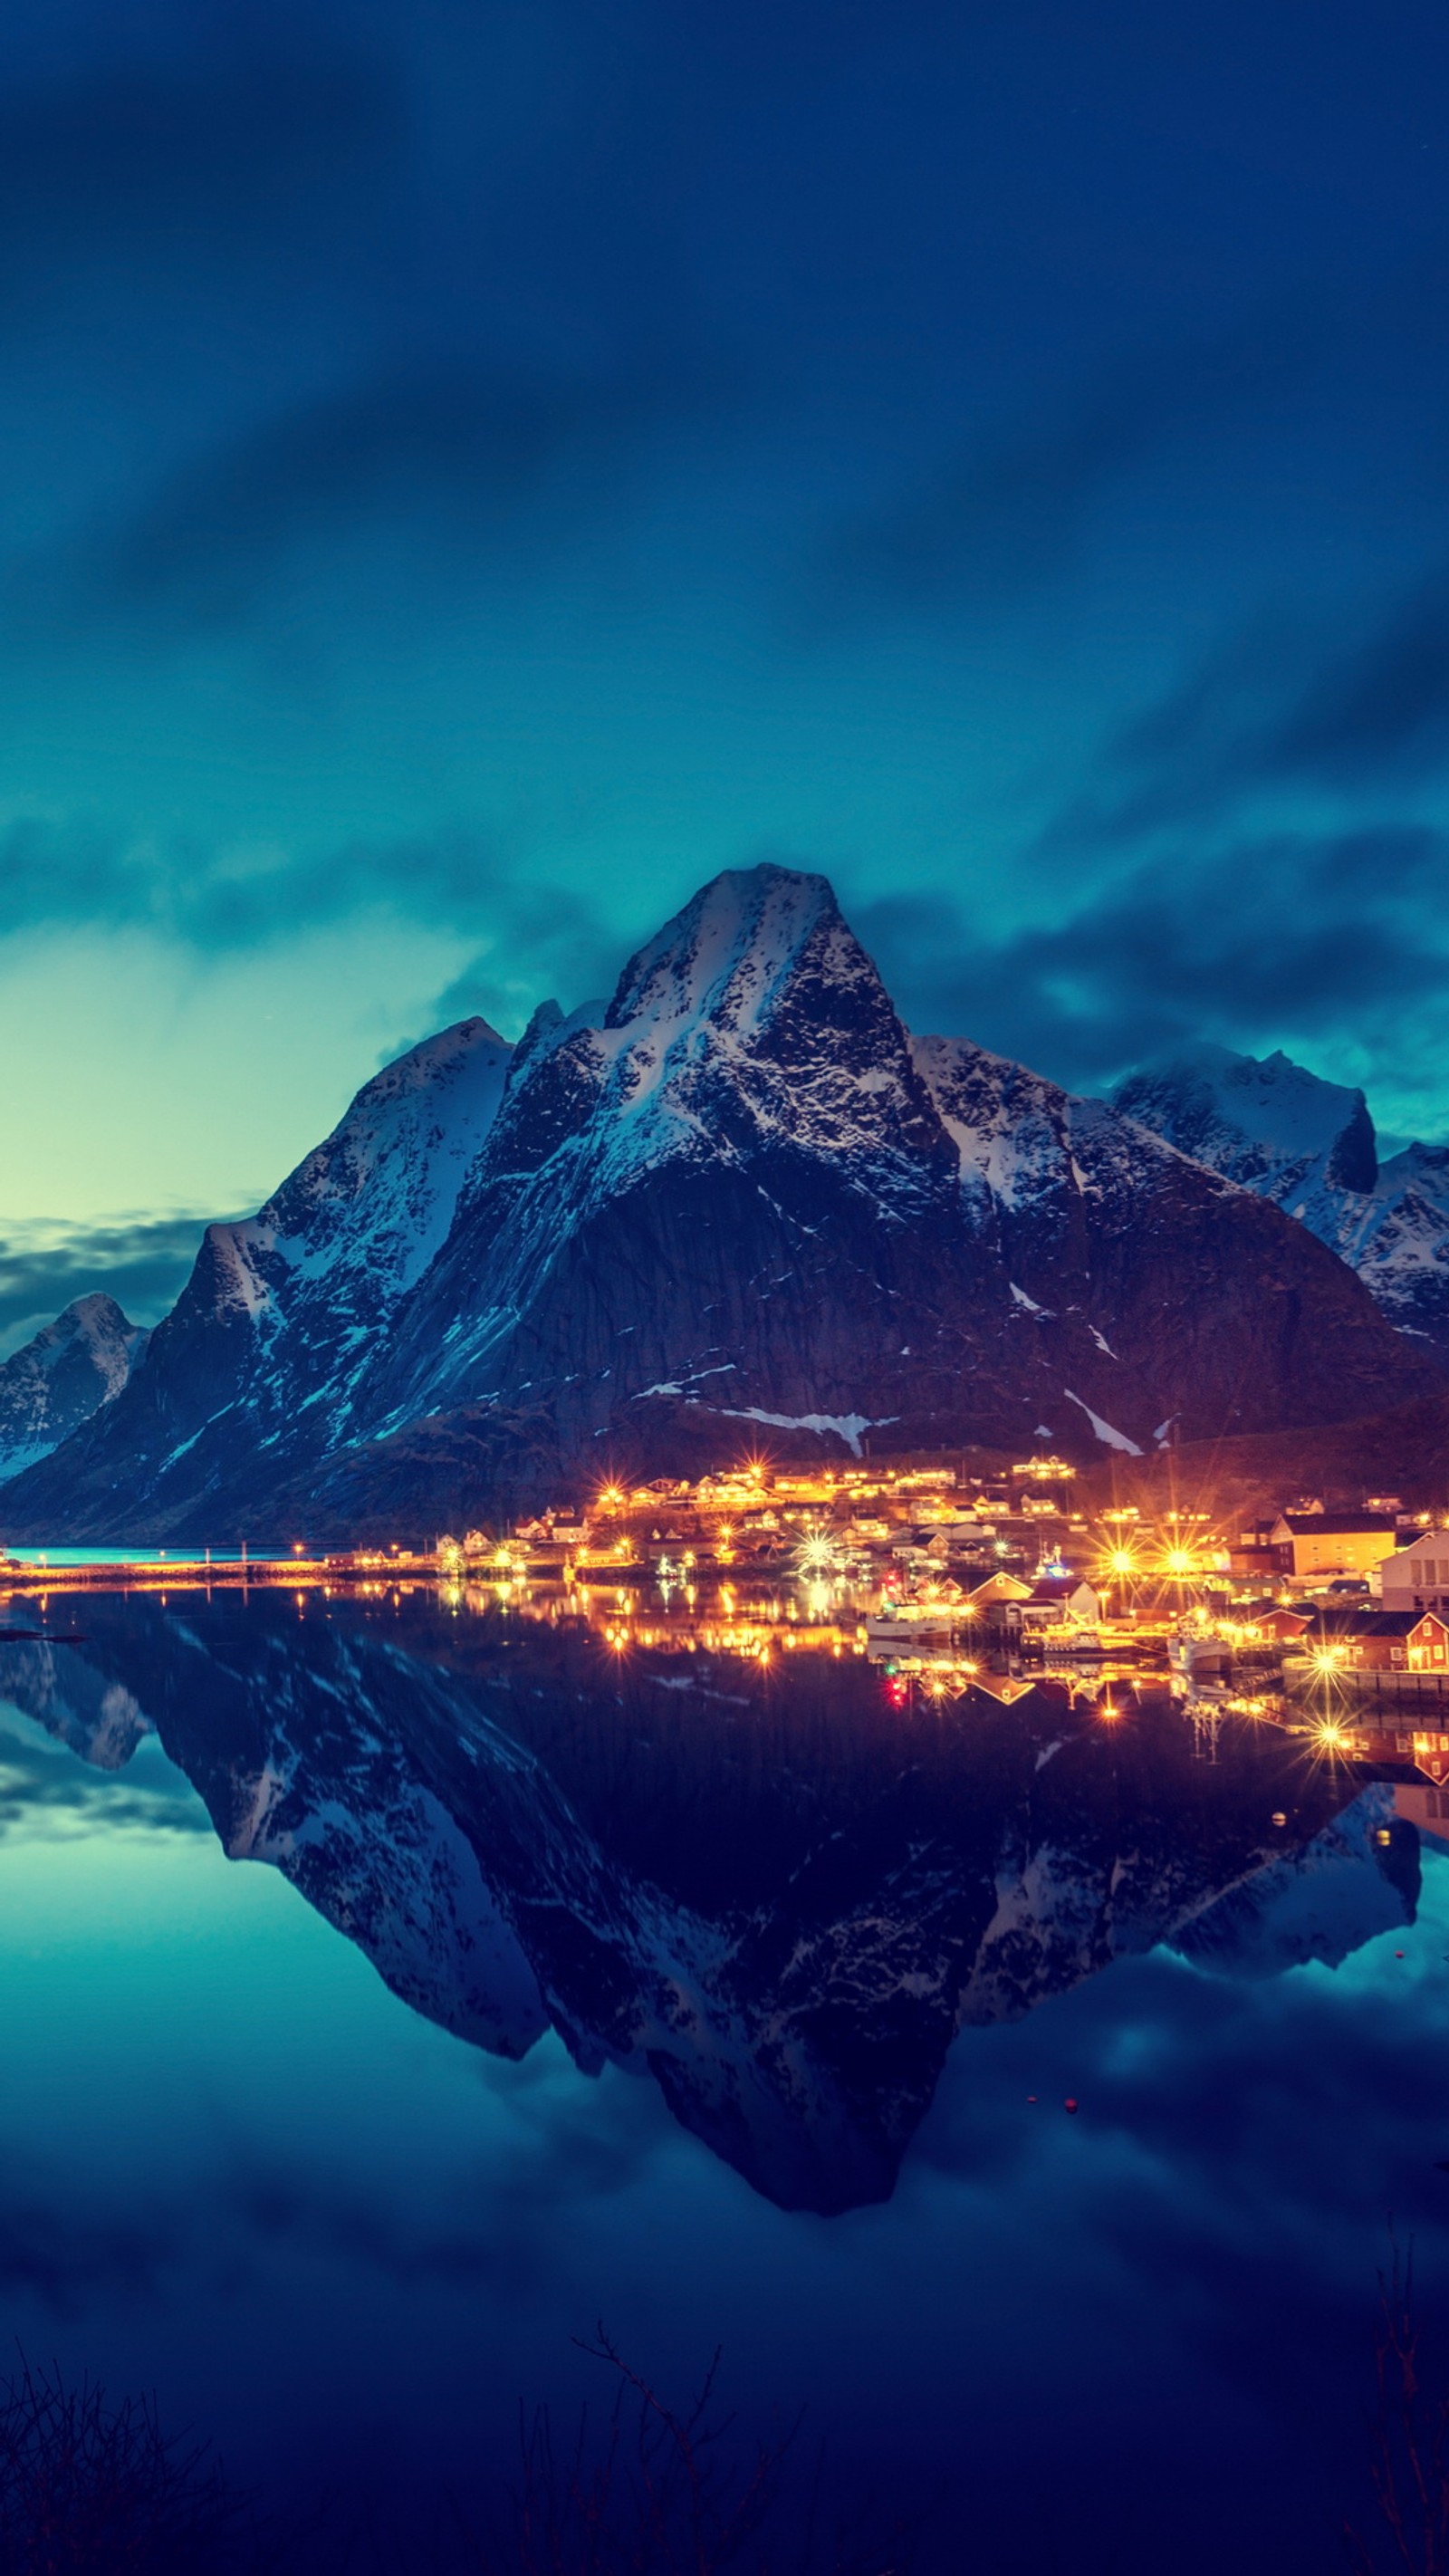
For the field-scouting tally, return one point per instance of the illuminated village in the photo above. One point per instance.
(1333, 1623)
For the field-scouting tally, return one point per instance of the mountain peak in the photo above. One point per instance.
(65, 1374)
(1309, 1145)
(1260, 1121)
(726, 955)
(735, 1195)
(540, 1030)
(97, 1311)
(431, 1106)
(755, 1023)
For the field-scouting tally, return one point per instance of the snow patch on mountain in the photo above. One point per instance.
(733, 1029)
(380, 1192)
(845, 1426)
(1309, 1146)
(1267, 1124)
(1103, 1431)
(57, 1381)
(285, 1309)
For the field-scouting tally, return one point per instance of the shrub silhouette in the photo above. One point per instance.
(1408, 2444)
(660, 2492)
(91, 2486)
(94, 2484)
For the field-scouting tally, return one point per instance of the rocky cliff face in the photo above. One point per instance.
(79, 1363)
(1309, 1146)
(786, 1946)
(738, 1201)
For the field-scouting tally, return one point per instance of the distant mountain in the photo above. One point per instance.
(786, 1946)
(738, 1204)
(1309, 1146)
(75, 1366)
(284, 1311)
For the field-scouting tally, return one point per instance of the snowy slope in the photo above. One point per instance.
(1268, 1125)
(1309, 1146)
(752, 1041)
(283, 1310)
(358, 1222)
(1396, 1237)
(57, 1381)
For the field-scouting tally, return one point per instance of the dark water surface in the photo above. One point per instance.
(711, 2003)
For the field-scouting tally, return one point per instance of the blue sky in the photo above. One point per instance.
(471, 471)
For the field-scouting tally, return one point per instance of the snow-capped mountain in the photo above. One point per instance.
(1266, 1123)
(57, 1381)
(738, 1200)
(1310, 1147)
(283, 1312)
(786, 1948)
(1398, 1242)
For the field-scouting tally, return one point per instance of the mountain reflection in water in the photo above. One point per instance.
(776, 1893)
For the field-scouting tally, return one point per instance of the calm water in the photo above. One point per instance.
(61, 1557)
(581, 1989)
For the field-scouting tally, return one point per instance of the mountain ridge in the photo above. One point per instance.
(738, 1192)
(1310, 1147)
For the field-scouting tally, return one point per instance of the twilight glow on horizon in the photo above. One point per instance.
(473, 472)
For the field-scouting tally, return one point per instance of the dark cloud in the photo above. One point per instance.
(1012, 505)
(66, 2257)
(456, 454)
(567, 2150)
(1357, 704)
(143, 1262)
(210, 121)
(1373, 706)
(547, 944)
(538, 933)
(1301, 935)
(46, 1794)
(573, 2153)
(1212, 2113)
(93, 876)
(412, 281)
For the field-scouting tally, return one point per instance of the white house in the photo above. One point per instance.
(1417, 1577)
(1059, 1601)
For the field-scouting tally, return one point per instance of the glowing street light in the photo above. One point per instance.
(818, 1554)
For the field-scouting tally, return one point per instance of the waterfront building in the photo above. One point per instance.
(1389, 1641)
(1417, 1577)
(1000, 1588)
(1058, 1601)
(1319, 1542)
(1274, 1622)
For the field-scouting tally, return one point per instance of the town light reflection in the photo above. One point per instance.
(960, 1583)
